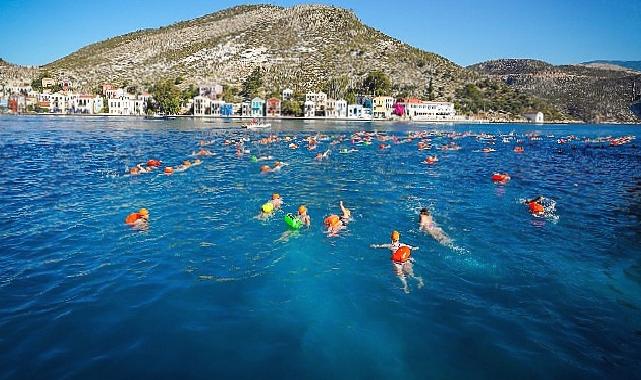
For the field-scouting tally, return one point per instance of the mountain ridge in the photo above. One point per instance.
(585, 92)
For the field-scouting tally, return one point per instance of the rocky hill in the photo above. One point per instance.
(583, 91)
(301, 47)
(306, 48)
(15, 74)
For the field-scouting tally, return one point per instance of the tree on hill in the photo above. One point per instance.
(291, 108)
(377, 83)
(252, 84)
(167, 95)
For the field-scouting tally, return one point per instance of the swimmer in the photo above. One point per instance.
(138, 220)
(347, 214)
(303, 216)
(264, 158)
(134, 171)
(322, 156)
(500, 178)
(333, 224)
(196, 162)
(154, 163)
(277, 201)
(203, 152)
(277, 166)
(184, 166)
(535, 206)
(430, 160)
(518, 149)
(401, 259)
(265, 169)
(426, 224)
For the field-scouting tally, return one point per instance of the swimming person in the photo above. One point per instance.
(277, 201)
(347, 214)
(426, 224)
(333, 224)
(138, 220)
(535, 206)
(322, 156)
(303, 216)
(401, 259)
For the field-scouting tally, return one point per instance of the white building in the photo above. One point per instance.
(320, 102)
(310, 108)
(212, 90)
(216, 107)
(534, 117)
(355, 111)
(417, 109)
(88, 104)
(202, 105)
(288, 93)
(127, 106)
(336, 108)
(383, 107)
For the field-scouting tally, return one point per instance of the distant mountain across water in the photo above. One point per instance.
(587, 91)
(631, 65)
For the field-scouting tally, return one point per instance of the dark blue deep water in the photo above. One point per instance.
(208, 291)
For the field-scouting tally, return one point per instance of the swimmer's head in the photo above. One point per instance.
(425, 211)
(396, 235)
(144, 212)
(275, 196)
(186, 163)
(302, 210)
(278, 163)
(264, 168)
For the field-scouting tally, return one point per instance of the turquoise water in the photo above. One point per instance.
(208, 291)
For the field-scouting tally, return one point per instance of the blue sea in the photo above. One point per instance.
(209, 291)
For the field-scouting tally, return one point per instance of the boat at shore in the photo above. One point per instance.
(255, 124)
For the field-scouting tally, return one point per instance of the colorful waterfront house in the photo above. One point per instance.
(245, 109)
(202, 105)
(84, 104)
(4, 103)
(216, 107)
(355, 111)
(310, 108)
(288, 94)
(273, 107)
(383, 107)
(399, 109)
(227, 109)
(257, 107)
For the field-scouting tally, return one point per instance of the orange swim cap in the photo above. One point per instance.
(332, 220)
(396, 235)
(302, 209)
(169, 170)
(264, 168)
(275, 196)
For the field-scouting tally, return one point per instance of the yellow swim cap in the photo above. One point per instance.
(143, 211)
(396, 235)
(302, 209)
(267, 207)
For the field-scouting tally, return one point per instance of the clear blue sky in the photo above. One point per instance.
(465, 31)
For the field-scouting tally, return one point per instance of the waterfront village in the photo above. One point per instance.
(61, 97)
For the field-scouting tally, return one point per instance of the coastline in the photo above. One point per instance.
(211, 118)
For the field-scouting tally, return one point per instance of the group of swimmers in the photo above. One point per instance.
(335, 222)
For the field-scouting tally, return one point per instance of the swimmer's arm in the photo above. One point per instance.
(409, 246)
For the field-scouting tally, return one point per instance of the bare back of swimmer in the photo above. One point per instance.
(426, 224)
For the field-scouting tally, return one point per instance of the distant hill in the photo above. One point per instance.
(631, 65)
(583, 91)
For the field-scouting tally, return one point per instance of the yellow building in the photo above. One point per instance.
(383, 106)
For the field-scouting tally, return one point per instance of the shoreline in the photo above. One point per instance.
(211, 118)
